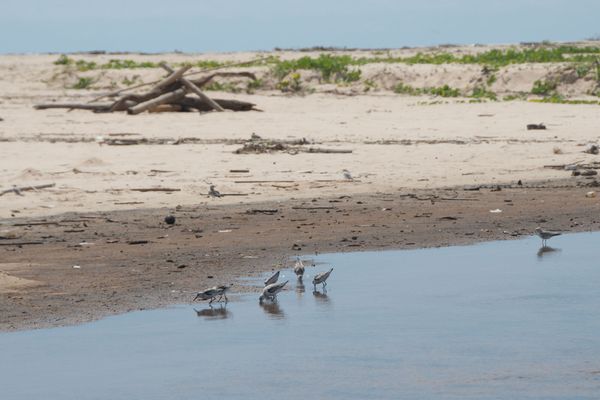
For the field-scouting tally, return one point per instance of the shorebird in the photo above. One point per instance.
(214, 192)
(272, 279)
(212, 293)
(299, 268)
(545, 235)
(270, 292)
(321, 278)
(347, 175)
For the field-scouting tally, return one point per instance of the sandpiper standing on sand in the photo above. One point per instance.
(214, 192)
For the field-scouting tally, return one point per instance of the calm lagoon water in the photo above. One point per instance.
(499, 320)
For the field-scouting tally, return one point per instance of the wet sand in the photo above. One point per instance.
(132, 260)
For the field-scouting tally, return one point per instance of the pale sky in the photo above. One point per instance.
(234, 25)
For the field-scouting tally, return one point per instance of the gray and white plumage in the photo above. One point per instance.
(214, 192)
(212, 293)
(545, 235)
(321, 278)
(347, 175)
(270, 292)
(299, 268)
(272, 279)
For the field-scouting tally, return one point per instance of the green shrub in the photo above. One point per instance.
(402, 88)
(83, 83)
(480, 92)
(63, 60)
(443, 91)
(544, 88)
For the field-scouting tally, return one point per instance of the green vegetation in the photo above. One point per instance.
(334, 68)
(63, 60)
(344, 69)
(544, 88)
(83, 83)
(292, 84)
(222, 87)
(369, 84)
(134, 79)
(480, 92)
(83, 65)
(558, 99)
(402, 88)
(583, 69)
(518, 96)
(253, 85)
(442, 91)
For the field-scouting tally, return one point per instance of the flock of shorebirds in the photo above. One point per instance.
(272, 287)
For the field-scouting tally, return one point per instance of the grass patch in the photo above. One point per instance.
(480, 92)
(544, 87)
(63, 60)
(511, 97)
(83, 83)
(222, 87)
(292, 84)
(254, 85)
(402, 88)
(558, 99)
(442, 91)
(332, 68)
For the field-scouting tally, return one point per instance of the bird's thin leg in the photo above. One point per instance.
(324, 284)
(211, 300)
(226, 299)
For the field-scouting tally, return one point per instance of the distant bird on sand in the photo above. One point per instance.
(299, 268)
(270, 292)
(272, 279)
(347, 175)
(214, 192)
(212, 293)
(321, 278)
(545, 235)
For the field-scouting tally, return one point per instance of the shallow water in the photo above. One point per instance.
(491, 321)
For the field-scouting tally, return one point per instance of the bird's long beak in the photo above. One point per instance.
(198, 295)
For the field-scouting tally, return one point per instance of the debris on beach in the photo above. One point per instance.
(174, 93)
(18, 190)
(536, 126)
(258, 145)
(592, 149)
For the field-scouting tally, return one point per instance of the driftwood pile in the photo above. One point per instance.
(173, 93)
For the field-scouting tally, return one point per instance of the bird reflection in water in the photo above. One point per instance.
(321, 297)
(300, 289)
(546, 250)
(219, 312)
(272, 309)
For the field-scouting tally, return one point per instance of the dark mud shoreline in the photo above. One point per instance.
(132, 260)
